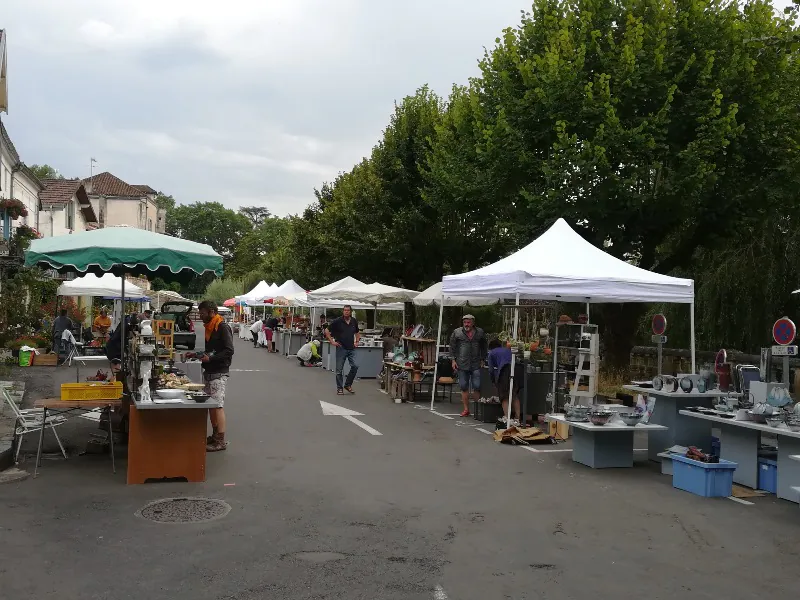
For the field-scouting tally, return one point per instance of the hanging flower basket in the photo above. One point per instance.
(14, 208)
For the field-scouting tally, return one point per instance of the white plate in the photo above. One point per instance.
(168, 393)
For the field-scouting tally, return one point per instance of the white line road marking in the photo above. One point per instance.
(740, 501)
(438, 414)
(363, 425)
(333, 410)
(439, 594)
(529, 449)
(250, 370)
(484, 430)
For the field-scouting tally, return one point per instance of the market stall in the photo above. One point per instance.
(562, 266)
(123, 251)
(433, 296)
(369, 353)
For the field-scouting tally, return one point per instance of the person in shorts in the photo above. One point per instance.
(500, 373)
(468, 349)
(216, 363)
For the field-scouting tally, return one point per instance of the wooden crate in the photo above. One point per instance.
(45, 360)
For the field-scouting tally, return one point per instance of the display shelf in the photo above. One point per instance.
(581, 379)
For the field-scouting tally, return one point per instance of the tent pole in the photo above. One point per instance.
(691, 322)
(513, 365)
(587, 311)
(122, 354)
(436, 363)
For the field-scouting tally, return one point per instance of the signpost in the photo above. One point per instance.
(784, 333)
(659, 325)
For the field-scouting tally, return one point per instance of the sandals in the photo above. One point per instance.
(340, 392)
(349, 389)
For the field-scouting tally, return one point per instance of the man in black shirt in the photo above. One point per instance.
(343, 334)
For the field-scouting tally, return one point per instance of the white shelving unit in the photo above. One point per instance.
(582, 342)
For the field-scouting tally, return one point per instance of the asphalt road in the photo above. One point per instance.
(432, 508)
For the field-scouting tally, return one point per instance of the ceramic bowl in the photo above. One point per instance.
(630, 419)
(168, 393)
(600, 417)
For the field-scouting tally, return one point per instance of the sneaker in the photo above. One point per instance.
(465, 413)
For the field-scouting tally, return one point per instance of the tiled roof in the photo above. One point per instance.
(58, 192)
(145, 188)
(8, 143)
(106, 184)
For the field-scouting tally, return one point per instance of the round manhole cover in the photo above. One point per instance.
(185, 510)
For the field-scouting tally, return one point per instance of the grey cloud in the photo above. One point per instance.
(74, 100)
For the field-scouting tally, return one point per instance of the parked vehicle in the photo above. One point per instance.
(184, 327)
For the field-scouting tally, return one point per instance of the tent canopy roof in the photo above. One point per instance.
(433, 296)
(361, 292)
(561, 265)
(107, 285)
(124, 250)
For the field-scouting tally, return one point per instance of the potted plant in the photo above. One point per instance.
(13, 208)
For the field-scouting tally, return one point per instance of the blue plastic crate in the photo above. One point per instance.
(768, 475)
(709, 480)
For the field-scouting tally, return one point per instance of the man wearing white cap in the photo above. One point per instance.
(468, 349)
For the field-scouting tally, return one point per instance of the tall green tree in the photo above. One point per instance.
(209, 223)
(46, 172)
(255, 214)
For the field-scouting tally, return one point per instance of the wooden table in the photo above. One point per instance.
(168, 441)
(58, 406)
(603, 446)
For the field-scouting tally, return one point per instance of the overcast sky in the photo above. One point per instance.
(246, 102)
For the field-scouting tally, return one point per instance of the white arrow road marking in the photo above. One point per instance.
(332, 410)
(438, 593)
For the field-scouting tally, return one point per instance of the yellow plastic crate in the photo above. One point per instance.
(91, 391)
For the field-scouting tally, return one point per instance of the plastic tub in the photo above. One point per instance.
(768, 475)
(710, 480)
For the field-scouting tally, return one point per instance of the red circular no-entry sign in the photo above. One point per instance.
(659, 324)
(784, 331)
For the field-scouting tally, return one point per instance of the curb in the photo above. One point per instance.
(6, 458)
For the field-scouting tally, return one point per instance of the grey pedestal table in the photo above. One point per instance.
(680, 430)
(603, 446)
(740, 442)
(293, 341)
(368, 359)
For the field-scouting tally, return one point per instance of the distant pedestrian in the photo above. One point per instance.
(255, 329)
(344, 335)
(269, 331)
(61, 323)
(468, 348)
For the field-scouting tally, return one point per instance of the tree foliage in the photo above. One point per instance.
(45, 172)
(666, 133)
(209, 223)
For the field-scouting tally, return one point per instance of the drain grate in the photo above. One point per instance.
(185, 510)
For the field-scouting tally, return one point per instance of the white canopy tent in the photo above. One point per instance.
(354, 290)
(255, 295)
(434, 296)
(560, 265)
(290, 292)
(107, 285)
(266, 295)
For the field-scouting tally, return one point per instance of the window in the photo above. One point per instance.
(70, 214)
(101, 218)
(150, 225)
